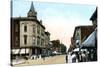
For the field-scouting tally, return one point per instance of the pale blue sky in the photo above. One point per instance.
(59, 19)
(20, 8)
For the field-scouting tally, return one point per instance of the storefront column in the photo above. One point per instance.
(30, 52)
(35, 51)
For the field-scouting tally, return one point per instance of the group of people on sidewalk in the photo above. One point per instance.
(80, 56)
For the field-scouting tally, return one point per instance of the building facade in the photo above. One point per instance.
(80, 34)
(85, 37)
(28, 34)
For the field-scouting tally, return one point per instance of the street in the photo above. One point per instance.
(59, 59)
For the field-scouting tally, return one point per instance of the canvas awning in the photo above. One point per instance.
(23, 51)
(77, 49)
(90, 41)
(15, 51)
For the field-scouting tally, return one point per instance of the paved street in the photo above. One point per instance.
(60, 59)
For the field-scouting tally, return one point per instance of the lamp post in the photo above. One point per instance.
(25, 50)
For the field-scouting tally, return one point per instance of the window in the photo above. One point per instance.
(33, 40)
(38, 30)
(16, 40)
(16, 44)
(42, 33)
(33, 29)
(42, 42)
(38, 40)
(25, 28)
(25, 39)
(16, 28)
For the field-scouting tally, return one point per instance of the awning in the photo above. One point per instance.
(23, 51)
(15, 51)
(90, 41)
(77, 49)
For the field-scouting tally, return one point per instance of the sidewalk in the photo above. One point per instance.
(40, 61)
(29, 61)
(19, 61)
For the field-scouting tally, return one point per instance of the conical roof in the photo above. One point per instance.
(32, 12)
(32, 7)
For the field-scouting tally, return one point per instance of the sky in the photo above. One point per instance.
(60, 19)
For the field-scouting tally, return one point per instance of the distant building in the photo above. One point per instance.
(28, 34)
(58, 47)
(47, 50)
(47, 39)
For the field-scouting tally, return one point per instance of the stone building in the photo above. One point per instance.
(28, 36)
(46, 49)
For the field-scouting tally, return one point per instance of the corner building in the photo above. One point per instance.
(28, 34)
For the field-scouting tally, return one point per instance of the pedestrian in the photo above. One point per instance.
(69, 57)
(80, 57)
(84, 56)
(43, 57)
(77, 56)
(66, 58)
(74, 57)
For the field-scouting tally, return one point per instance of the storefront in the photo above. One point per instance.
(91, 45)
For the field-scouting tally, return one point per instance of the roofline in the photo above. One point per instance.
(27, 19)
(47, 33)
(84, 26)
(81, 27)
(94, 15)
